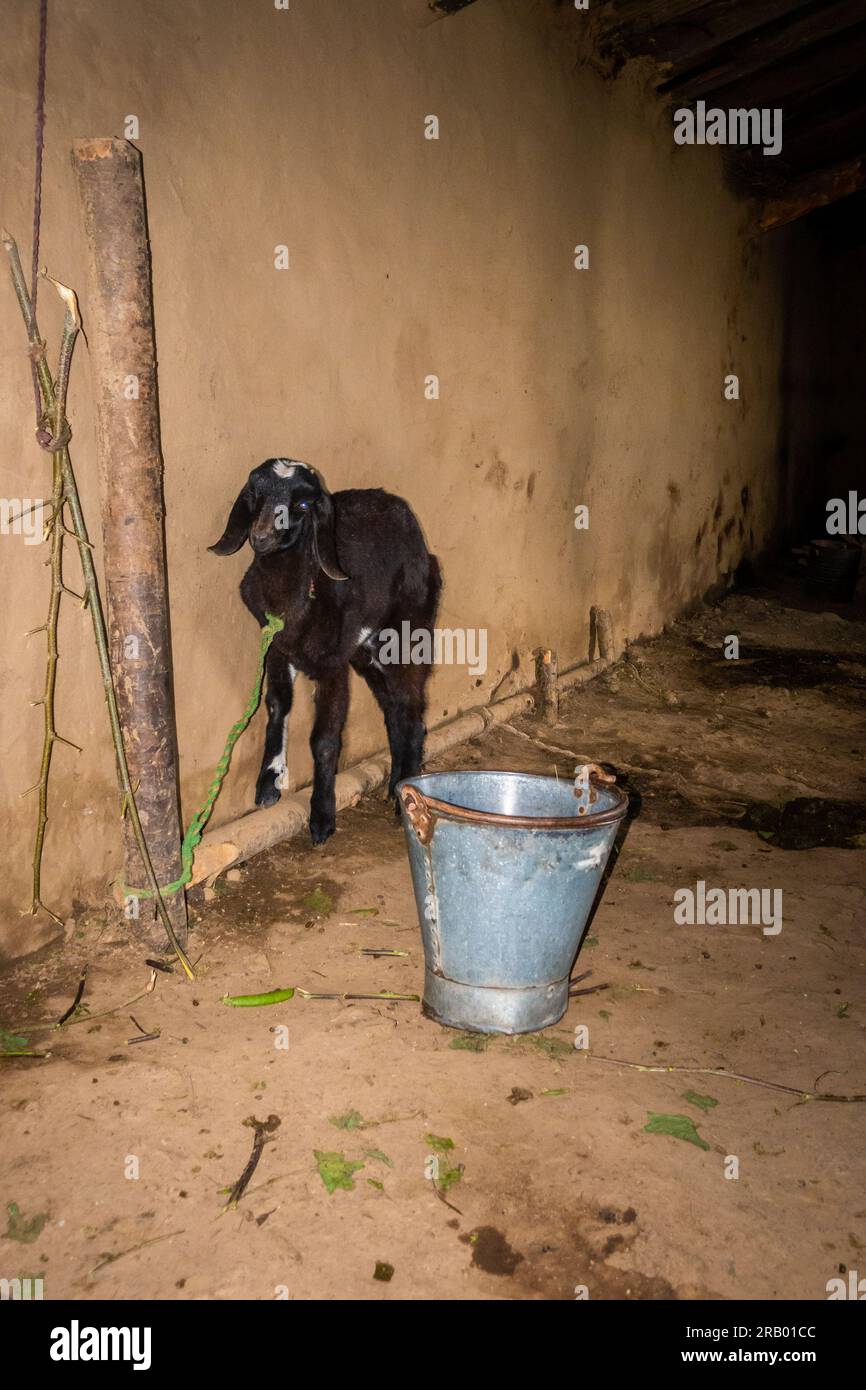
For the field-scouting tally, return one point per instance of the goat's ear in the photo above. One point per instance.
(237, 527)
(324, 537)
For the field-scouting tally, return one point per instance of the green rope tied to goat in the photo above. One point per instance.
(192, 838)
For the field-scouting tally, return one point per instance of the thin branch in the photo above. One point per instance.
(19, 516)
(48, 730)
(731, 1076)
(76, 1001)
(88, 1018)
(58, 738)
(154, 1240)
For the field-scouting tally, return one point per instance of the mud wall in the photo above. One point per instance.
(408, 257)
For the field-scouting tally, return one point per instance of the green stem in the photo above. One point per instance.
(91, 586)
(49, 732)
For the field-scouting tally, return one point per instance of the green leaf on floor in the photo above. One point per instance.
(447, 1177)
(11, 1044)
(605, 1014)
(379, 1186)
(379, 1157)
(336, 1170)
(702, 1102)
(24, 1229)
(677, 1126)
(319, 900)
(352, 1119)
(440, 1142)
(560, 1092)
(842, 1011)
(363, 912)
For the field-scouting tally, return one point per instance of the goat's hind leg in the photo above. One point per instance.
(279, 704)
(407, 714)
(399, 692)
(406, 704)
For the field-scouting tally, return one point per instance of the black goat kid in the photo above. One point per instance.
(338, 570)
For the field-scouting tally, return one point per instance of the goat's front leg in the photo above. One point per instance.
(332, 705)
(279, 702)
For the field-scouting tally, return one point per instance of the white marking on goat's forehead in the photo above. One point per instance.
(287, 468)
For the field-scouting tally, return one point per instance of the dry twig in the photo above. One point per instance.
(732, 1076)
(264, 1134)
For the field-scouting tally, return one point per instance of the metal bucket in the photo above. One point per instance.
(505, 867)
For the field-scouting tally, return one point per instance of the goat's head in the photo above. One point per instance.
(284, 505)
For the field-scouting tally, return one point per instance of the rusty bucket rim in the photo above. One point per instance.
(449, 810)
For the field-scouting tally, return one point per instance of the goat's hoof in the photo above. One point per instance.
(267, 796)
(321, 828)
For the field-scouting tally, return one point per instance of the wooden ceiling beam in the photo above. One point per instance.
(816, 191)
(702, 34)
(627, 24)
(839, 136)
(767, 34)
(779, 81)
(839, 93)
(642, 14)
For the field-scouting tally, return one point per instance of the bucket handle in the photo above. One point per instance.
(419, 813)
(585, 774)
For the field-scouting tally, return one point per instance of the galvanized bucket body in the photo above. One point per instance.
(505, 868)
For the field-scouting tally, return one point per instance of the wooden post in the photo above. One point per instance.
(601, 634)
(546, 672)
(119, 320)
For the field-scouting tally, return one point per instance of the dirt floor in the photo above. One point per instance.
(116, 1157)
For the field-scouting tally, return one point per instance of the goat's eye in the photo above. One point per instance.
(302, 506)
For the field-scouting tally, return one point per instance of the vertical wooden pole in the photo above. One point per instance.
(546, 678)
(601, 632)
(119, 321)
